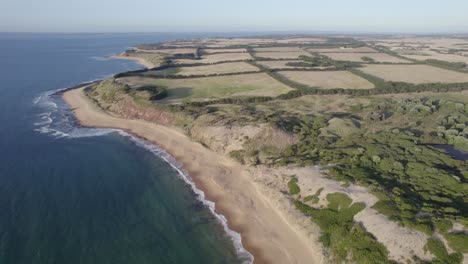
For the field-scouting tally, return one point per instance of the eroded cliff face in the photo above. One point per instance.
(110, 96)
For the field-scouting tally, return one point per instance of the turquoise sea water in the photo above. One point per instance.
(76, 195)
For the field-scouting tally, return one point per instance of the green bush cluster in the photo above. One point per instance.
(346, 239)
(436, 247)
(293, 187)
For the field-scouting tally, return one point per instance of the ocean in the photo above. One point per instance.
(80, 195)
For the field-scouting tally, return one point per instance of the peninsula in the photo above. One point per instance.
(317, 149)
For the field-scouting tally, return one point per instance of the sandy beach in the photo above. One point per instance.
(265, 232)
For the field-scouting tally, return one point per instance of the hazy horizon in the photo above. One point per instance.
(146, 16)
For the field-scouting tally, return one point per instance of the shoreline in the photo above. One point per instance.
(264, 231)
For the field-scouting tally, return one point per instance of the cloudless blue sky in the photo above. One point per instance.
(422, 16)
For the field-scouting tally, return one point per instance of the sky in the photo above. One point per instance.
(358, 16)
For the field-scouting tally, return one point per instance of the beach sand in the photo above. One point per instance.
(266, 232)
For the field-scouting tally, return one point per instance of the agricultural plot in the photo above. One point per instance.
(301, 40)
(223, 68)
(211, 51)
(169, 51)
(214, 58)
(328, 79)
(360, 57)
(429, 54)
(415, 74)
(281, 64)
(282, 54)
(278, 49)
(208, 88)
(344, 50)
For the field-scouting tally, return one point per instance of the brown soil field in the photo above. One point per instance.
(379, 57)
(282, 55)
(328, 79)
(217, 58)
(415, 74)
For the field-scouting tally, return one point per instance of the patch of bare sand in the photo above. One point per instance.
(261, 220)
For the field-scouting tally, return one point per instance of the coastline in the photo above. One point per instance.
(265, 232)
(145, 63)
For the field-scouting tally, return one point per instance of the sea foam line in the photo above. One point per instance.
(78, 131)
(200, 195)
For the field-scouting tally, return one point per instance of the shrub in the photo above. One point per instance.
(293, 187)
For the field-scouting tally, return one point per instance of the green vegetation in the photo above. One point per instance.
(314, 198)
(383, 143)
(293, 187)
(437, 248)
(368, 59)
(237, 155)
(155, 92)
(458, 241)
(447, 64)
(324, 61)
(346, 239)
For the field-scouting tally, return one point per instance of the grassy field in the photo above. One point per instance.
(358, 57)
(214, 58)
(328, 79)
(415, 74)
(229, 67)
(201, 89)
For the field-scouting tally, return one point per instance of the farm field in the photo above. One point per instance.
(429, 54)
(344, 50)
(282, 54)
(328, 79)
(278, 49)
(211, 51)
(280, 64)
(222, 68)
(357, 57)
(169, 51)
(415, 74)
(214, 58)
(201, 89)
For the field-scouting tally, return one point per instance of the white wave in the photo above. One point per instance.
(90, 132)
(58, 121)
(236, 238)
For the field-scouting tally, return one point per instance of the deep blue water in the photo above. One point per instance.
(72, 195)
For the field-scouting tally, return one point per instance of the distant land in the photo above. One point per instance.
(317, 149)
